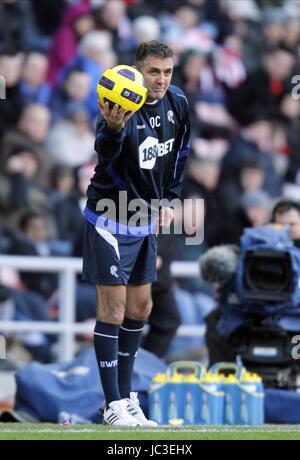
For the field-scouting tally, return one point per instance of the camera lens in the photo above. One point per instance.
(268, 275)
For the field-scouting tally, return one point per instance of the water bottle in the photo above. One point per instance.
(158, 396)
(189, 417)
(228, 412)
(204, 409)
(172, 411)
(232, 400)
(252, 398)
(244, 410)
(212, 400)
(230, 386)
(156, 412)
(184, 377)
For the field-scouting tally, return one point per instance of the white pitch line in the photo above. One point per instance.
(125, 430)
(49, 430)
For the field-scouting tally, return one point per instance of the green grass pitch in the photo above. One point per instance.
(45, 431)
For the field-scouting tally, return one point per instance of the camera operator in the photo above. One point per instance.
(286, 213)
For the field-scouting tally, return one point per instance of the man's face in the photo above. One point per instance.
(36, 229)
(35, 123)
(157, 74)
(78, 85)
(291, 218)
(260, 132)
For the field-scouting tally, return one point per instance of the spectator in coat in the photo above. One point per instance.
(71, 142)
(30, 133)
(76, 22)
(33, 80)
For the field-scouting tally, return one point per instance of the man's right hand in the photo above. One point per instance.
(115, 118)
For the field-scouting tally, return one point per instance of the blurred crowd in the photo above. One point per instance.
(234, 59)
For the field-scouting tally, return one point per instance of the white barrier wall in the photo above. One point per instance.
(67, 269)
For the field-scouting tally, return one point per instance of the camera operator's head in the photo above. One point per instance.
(287, 212)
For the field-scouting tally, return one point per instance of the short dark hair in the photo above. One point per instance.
(152, 48)
(27, 217)
(285, 205)
(273, 49)
(251, 163)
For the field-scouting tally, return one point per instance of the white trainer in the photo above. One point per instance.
(134, 409)
(117, 414)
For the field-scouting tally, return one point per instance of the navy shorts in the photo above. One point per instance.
(110, 259)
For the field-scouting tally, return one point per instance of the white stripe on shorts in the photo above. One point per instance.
(109, 238)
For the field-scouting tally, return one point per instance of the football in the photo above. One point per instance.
(122, 85)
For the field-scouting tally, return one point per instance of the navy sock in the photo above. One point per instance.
(129, 340)
(106, 349)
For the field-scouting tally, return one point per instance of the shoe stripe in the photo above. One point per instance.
(131, 408)
(137, 413)
(133, 413)
(112, 418)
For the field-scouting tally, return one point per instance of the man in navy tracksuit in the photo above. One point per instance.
(141, 157)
